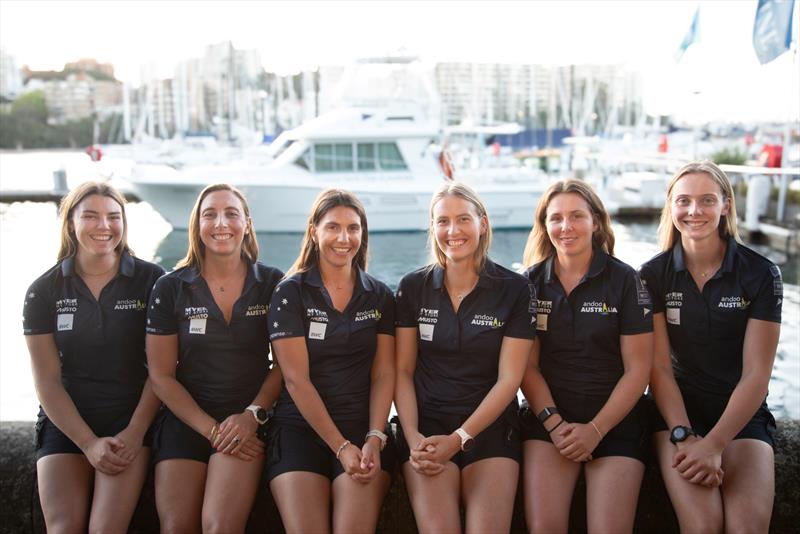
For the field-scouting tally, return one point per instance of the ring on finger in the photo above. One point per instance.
(236, 439)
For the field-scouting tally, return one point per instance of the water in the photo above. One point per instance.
(29, 241)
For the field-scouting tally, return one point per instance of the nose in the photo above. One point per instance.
(694, 207)
(220, 220)
(103, 222)
(342, 236)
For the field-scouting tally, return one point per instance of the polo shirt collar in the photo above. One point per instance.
(728, 261)
(126, 265)
(597, 265)
(486, 278)
(313, 277)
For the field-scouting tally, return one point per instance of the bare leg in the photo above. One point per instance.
(699, 509)
(179, 495)
(357, 506)
(549, 484)
(303, 499)
(115, 497)
(231, 486)
(612, 492)
(489, 487)
(435, 499)
(64, 482)
(748, 489)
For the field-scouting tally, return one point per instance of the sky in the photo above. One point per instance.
(718, 78)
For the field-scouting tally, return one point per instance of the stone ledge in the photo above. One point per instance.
(21, 512)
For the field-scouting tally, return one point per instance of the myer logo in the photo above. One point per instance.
(427, 315)
(487, 320)
(196, 312)
(67, 306)
(129, 304)
(597, 307)
(739, 303)
(673, 299)
(317, 315)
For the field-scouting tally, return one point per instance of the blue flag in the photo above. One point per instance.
(772, 29)
(692, 36)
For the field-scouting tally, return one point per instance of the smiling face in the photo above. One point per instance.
(457, 228)
(338, 236)
(697, 206)
(98, 225)
(223, 223)
(570, 225)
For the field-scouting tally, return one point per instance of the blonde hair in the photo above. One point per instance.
(69, 242)
(465, 192)
(539, 247)
(197, 250)
(326, 201)
(668, 234)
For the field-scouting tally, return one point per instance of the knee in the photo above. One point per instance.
(710, 523)
(175, 524)
(546, 525)
(221, 525)
(745, 524)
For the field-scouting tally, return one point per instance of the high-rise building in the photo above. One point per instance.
(10, 76)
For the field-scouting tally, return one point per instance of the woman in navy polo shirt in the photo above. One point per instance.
(208, 353)
(717, 311)
(464, 332)
(84, 326)
(588, 369)
(332, 329)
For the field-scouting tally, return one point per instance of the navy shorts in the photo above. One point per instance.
(705, 409)
(295, 446)
(628, 438)
(175, 440)
(50, 440)
(501, 439)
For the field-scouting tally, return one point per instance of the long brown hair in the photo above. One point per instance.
(539, 247)
(668, 234)
(463, 191)
(69, 242)
(326, 201)
(197, 250)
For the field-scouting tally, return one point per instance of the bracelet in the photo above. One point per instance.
(213, 434)
(557, 425)
(378, 434)
(341, 448)
(597, 429)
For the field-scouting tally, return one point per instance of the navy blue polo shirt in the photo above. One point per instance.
(100, 342)
(458, 352)
(219, 364)
(706, 329)
(341, 345)
(580, 333)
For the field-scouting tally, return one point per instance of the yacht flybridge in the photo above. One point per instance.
(389, 157)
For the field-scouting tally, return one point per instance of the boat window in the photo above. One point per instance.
(366, 157)
(389, 157)
(303, 159)
(330, 158)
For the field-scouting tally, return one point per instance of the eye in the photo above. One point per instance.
(209, 215)
(354, 228)
(710, 200)
(441, 222)
(232, 214)
(682, 201)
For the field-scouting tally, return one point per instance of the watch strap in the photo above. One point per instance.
(545, 414)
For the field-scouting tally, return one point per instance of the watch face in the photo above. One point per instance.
(679, 433)
(468, 443)
(261, 414)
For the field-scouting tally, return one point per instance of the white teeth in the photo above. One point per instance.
(456, 243)
(101, 237)
(221, 237)
(341, 250)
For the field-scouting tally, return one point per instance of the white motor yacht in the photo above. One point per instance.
(389, 157)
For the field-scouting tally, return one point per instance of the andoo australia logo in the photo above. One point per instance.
(481, 319)
(256, 310)
(368, 314)
(594, 306)
(130, 304)
(739, 303)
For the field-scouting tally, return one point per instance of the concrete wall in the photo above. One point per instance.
(20, 512)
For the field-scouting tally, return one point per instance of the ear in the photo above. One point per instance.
(249, 227)
(726, 206)
(313, 233)
(484, 224)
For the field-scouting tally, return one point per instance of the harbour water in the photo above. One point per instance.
(29, 241)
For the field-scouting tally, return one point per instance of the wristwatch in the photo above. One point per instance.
(467, 441)
(680, 433)
(378, 434)
(545, 414)
(259, 413)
